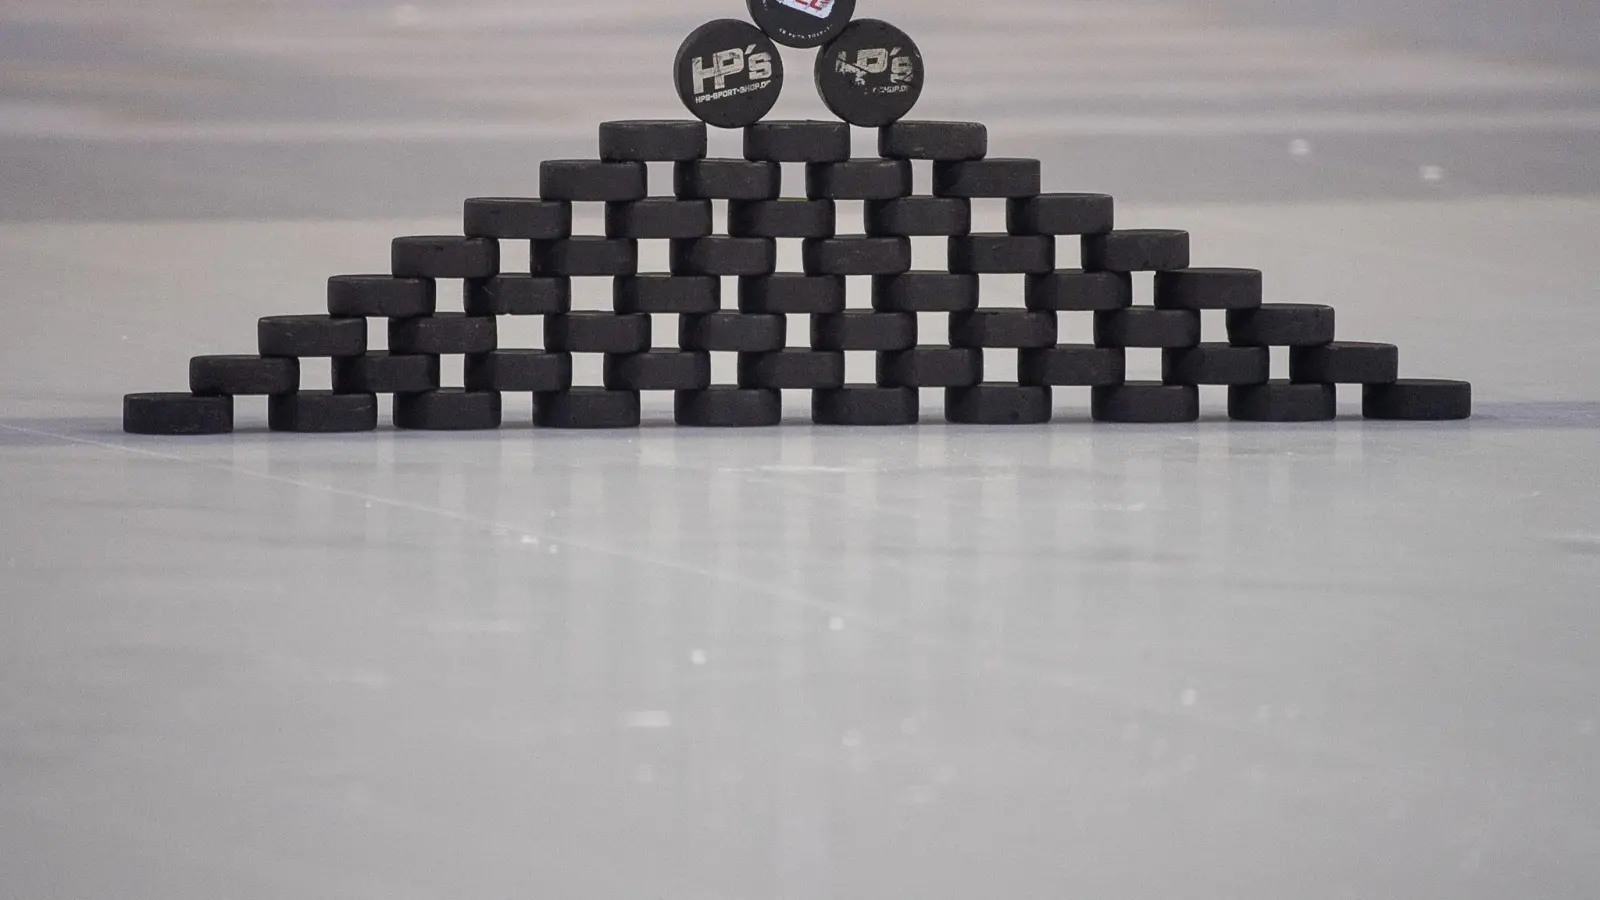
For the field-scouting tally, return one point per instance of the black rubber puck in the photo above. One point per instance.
(859, 179)
(919, 217)
(1145, 403)
(1145, 327)
(1418, 400)
(585, 257)
(799, 294)
(728, 73)
(856, 256)
(517, 218)
(597, 332)
(866, 406)
(236, 376)
(322, 412)
(667, 294)
(871, 74)
(382, 372)
(176, 414)
(1001, 254)
(1072, 365)
(991, 329)
(518, 371)
(733, 332)
(931, 367)
(1208, 289)
(864, 331)
(938, 141)
(1346, 362)
(1139, 250)
(727, 179)
(658, 370)
(586, 408)
(311, 336)
(443, 333)
(592, 181)
(797, 142)
(1218, 364)
(802, 23)
(652, 141)
(425, 256)
(728, 407)
(782, 218)
(988, 178)
(724, 256)
(516, 295)
(448, 409)
(1282, 325)
(1281, 401)
(381, 295)
(658, 219)
(925, 292)
(998, 404)
(792, 370)
(1058, 214)
(1070, 290)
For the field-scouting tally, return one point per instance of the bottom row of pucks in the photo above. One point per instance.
(454, 409)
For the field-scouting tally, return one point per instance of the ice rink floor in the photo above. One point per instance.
(1217, 661)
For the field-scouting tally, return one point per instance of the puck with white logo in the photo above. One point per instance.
(802, 23)
(871, 74)
(728, 73)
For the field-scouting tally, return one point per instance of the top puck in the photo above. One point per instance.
(728, 73)
(802, 23)
(871, 74)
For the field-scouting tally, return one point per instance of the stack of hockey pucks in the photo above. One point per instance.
(729, 74)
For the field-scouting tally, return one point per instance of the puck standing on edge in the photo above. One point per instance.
(871, 74)
(802, 23)
(728, 73)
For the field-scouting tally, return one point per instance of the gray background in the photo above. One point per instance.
(1352, 660)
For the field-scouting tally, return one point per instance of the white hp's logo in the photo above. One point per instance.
(877, 61)
(728, 63)
(819, 8)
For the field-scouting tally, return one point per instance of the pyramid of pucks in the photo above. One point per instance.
(729, 74)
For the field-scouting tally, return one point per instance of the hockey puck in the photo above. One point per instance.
(733, 332)
(659, 218)
(176, 414)
(1208, 289)
(1005, 179)
(1345, 362)
(728, 73)
(726, 257)
(925, 292)
(797, 142)
(586, 408)
(1074, 365)
(517, 218)
(937, 141)
(782, 218)
(426, 256)
(597, 332)
(382, 372)
(802, 23)
(998, 404)
(856, 256)
(727, 179)
(1219, 364)
(859, 179)
(443, 333)
(1418, 400)
(1281, 401)
(236, 376)
(311, 336)
(1071, 290)
(585, 257)
(871, 74)
(322, 412)
(1142, 326)
(860, 330)
(592, 181)
(1145, 403)
(652, 141)
(519, 371)
(1058, 214)
(1002, 254)
(866, 406)
(919, 217)
(658, 370)
(381, 295)
(792, 370)
(517, 295)
(666, 294)
(448, 409)
(1136, 250)
(728, 407)
(1003, 329)
(931, 367)
(1281, 325)
(789, 293)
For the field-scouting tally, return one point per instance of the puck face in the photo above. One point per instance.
(802, 23)
(871, 74)
(728, 73)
